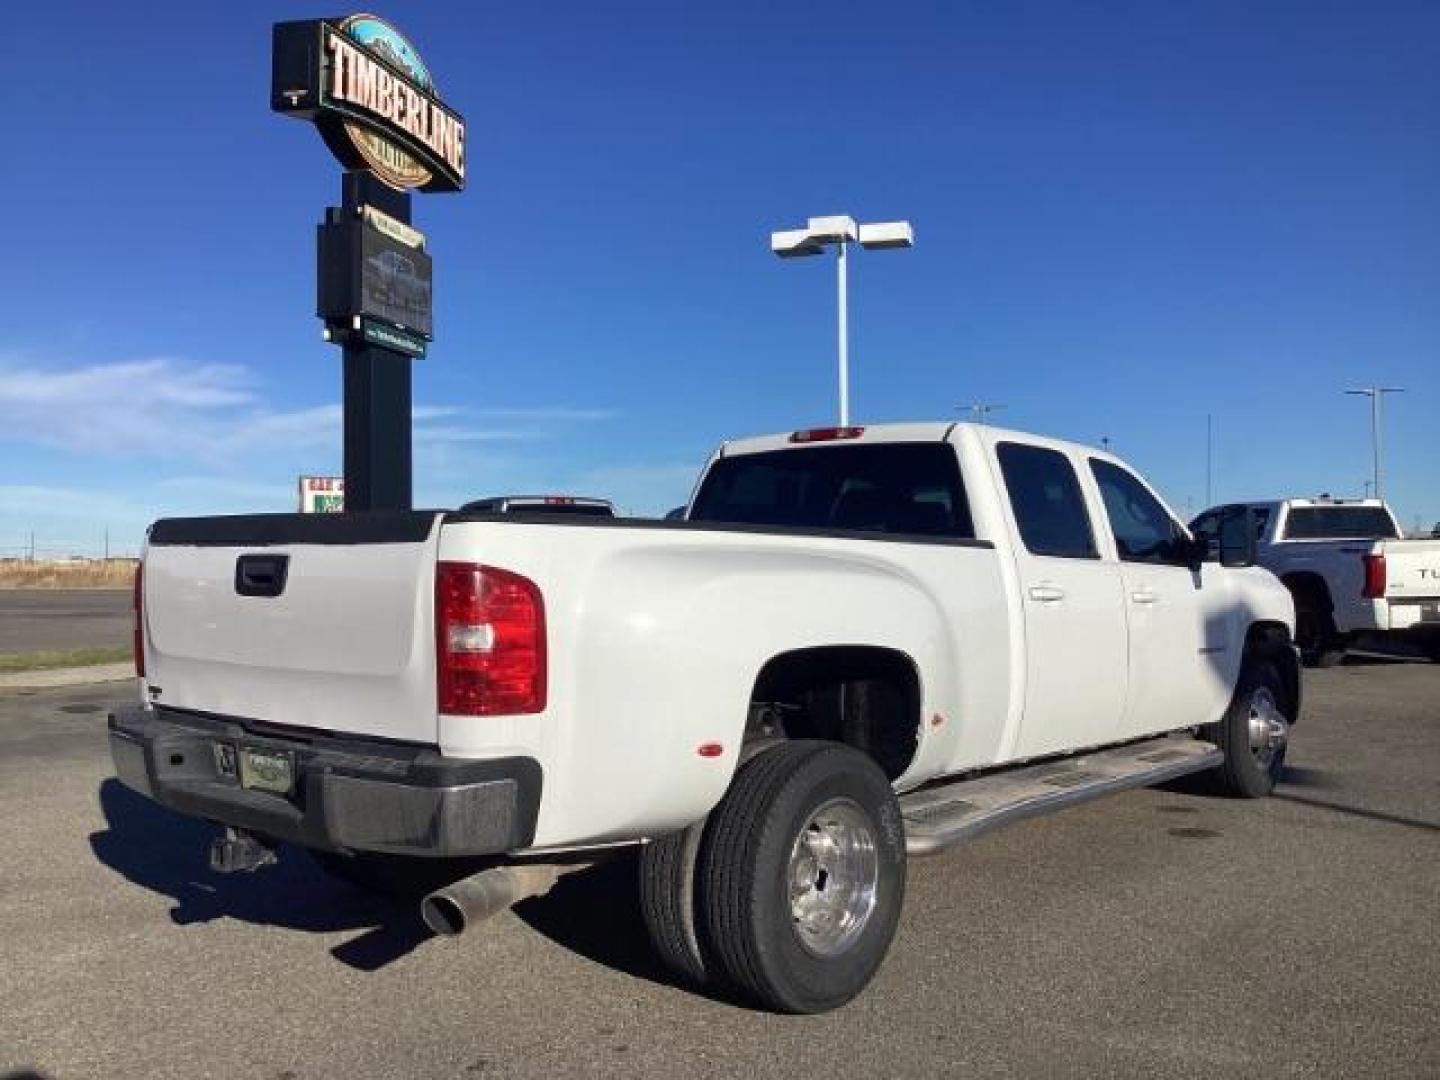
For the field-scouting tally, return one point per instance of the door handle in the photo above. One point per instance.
(1144, 596)
(1047, 594)
(261, 575)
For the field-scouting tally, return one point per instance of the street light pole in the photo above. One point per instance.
(979, 410)
(1376, 394)
(841, 231)
(843, 306)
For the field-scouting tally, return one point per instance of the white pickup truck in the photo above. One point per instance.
(860, 644)
(1350, 570)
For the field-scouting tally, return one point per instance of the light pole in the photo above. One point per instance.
(979, 410)
(1376, 394)
(841, 231)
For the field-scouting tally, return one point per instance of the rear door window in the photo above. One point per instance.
(1045, 496)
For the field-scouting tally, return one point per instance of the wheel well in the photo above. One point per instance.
(864, 696)
(1272, 641)
(1312, 587)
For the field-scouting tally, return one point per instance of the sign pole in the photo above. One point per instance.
(366, 90)
(378, 473)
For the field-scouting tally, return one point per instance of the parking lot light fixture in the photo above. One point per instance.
(1376, 394)
(840, 231)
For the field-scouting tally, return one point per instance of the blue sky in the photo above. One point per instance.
(1127, 215)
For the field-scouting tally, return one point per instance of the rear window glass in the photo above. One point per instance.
(567, 509)
(898, 488)
(1339, 523)
(521, 506)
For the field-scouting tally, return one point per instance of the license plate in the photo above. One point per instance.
(267, 770)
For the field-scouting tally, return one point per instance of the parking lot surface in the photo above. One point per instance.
(1162, 932)
(33, 620)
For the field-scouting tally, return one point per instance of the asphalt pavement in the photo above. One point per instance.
(34, 620)
(1161, 932)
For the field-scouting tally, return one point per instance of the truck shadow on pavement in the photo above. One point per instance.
(167, 853)
(594, 914)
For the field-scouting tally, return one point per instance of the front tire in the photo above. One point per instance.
(1254, 732)
(802, 877)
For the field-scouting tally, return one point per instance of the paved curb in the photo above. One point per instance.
(71, 676)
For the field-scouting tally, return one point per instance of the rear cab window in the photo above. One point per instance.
(901, 489)
(1339, 523)
(1047, 502)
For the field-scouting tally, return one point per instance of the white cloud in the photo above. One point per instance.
(143, 406)
(166, 407)
(551, 414)
(178, 437)
(65, 502)
(464, 435)
(159, 381)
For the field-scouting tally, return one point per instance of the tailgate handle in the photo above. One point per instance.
(261, 575)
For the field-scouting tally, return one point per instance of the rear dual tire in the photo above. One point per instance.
(796, 881)
(1321, 645)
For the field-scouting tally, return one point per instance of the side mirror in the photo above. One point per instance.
(1197, 550)
(1236, 537)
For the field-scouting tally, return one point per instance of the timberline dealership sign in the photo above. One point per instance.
(361, 82)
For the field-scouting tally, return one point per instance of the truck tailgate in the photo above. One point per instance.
(1412, 570)
(319, 621)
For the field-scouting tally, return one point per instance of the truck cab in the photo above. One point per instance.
(1351, 571)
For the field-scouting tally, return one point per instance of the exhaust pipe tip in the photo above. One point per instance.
(443, 915)
(450, 911)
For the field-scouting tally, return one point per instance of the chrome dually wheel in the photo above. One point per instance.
(1266, 725)
(833, 875)
(1255, 730)
(801, 877)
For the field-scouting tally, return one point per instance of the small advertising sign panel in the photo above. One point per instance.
(395, 281)
(322, 494)
(376, 276)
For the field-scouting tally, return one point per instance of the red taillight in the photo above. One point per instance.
(138, 604)
(559, 500)
(489, 641)
(1374, 577)
(826, 434)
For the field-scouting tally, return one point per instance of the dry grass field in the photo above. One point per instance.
(77, 574)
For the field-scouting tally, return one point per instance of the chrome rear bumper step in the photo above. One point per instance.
(939, 816)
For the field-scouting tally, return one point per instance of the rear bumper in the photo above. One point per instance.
(1421, 615)
(349, 794)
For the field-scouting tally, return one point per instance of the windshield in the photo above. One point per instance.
(899, 488)
(1339, 523)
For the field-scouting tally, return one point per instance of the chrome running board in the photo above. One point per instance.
(944, 814)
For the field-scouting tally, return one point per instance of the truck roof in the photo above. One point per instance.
(931, 431)
(1304, 501)
(501, 503)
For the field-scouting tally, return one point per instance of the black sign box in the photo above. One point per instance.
(366, 274)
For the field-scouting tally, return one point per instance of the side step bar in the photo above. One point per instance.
(939, 816)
